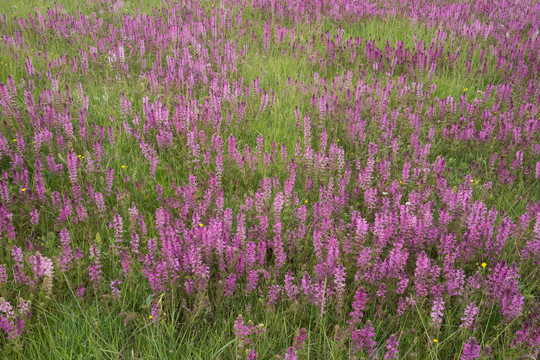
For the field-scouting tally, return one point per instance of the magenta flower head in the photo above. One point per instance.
(80, 291)
(471, 350)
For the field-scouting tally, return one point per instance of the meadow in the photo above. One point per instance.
(269, 179)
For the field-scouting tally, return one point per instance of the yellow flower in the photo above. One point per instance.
(15, 140)
(305, 201)
(465, 89)
(123, 166)
(484, 265)
(435, 340)
(23, 189)
(79, 156)
(472, 181)
(150, 317)
(401, 182)
(201, 225)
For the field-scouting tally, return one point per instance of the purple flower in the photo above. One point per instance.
(94, 269)
(66, 256)
(358, 305)
(471, 350)
(437, 311)
(230, 281)
(503, 287)
(339, 282)
(291, 289)
(156, 310)
(80, 291)
(291, 352)
(469, 316)
(364, 339)
(391, 348)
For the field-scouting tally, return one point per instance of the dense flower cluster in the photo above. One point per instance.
(366, 188)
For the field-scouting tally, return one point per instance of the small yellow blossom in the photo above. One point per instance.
(465, 89)
(150, 317)
(401, 182)
(484, 265)
(79, 156)
(305, 201)
(123, 166)
(435, 340)
(337, 140)
(201, 225)
(23, 189)
(15, 140)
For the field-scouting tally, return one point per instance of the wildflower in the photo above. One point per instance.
(23, 189)
(123, 166)
(392, 347)
(15, 140)
(484, 265)
(435, 340)
(80, 291)
(471, 350)
(437, 311)
(358, 305)
(401, 182)
(150, 317)
(201, 225)
(469, 316)
(306, 201)
(472, 181)
(465, 89)
(79, 156)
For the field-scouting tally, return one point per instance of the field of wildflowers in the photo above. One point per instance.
(270, 179)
